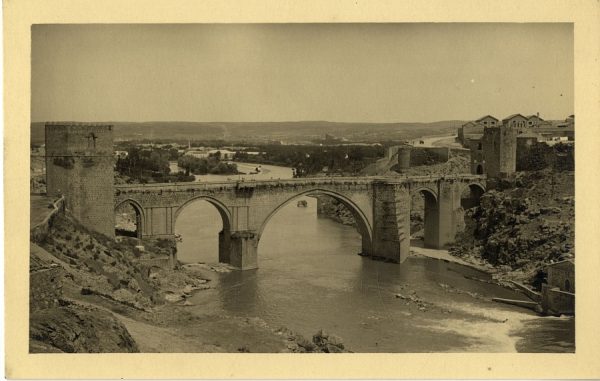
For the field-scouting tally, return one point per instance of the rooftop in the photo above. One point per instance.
(514, 116)
(486, 116)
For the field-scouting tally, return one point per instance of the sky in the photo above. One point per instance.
(394, 72)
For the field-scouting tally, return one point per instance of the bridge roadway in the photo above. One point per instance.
(183, 186)
(380, 205)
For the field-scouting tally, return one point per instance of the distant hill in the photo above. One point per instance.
(264, 131)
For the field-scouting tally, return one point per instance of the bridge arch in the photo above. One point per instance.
(425, 190)
(224, 237)
(471, 199)
(221, 208)
(140, 215)
(431, 215)
(364, 226)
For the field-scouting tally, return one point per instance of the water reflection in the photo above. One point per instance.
(198, 224)
(241, 293)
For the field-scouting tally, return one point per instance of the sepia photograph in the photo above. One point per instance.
(301, 190)
(353, 187)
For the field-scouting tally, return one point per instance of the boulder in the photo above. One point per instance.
(332, 349)
(335, 340)
(170, 297)
(305, 344)
(550, 210)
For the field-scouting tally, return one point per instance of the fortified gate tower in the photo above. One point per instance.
(80, 167)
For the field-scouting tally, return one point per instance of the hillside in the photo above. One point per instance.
(90, 294)
(300, 131)
(522, 225)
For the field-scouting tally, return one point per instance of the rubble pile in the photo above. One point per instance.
(322, 342)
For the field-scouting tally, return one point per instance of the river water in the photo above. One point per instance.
(267, 172)
(310, 277)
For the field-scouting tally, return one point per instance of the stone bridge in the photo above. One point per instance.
(380, 205)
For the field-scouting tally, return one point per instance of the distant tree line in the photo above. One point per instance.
(309, 160)
(147, 165)
(203, 166)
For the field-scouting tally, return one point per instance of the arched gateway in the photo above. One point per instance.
(380, 206)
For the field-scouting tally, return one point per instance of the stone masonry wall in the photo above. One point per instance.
(392, 226)
(500, 150)
(80, 165)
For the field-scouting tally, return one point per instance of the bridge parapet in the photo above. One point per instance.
(232, 184)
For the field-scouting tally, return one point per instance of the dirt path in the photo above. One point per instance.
(153, 339)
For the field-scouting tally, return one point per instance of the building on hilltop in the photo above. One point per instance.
(568, 123)
(518, 121)
(474, 129)
(487, 121)
(534, 120)
(495, 153)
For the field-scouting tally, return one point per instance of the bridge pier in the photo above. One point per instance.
(450, 214)
(431, 219)
(224, 246)
(391, 233)
(243, 250)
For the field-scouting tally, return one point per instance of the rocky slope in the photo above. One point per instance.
(92, 294)
(329, 207)
(75, 328)
(522, 225)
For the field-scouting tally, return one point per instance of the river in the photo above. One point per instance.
(267, 172)
(310, 277)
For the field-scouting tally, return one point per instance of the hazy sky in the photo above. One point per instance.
(285, 72)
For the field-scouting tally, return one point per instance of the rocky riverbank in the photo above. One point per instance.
(90, 293)
(328, 207)
(521, 226)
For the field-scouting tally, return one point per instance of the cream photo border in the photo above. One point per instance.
(19, 15)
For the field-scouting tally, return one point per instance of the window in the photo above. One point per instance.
(479, 146)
